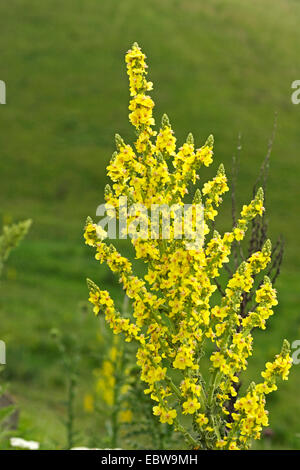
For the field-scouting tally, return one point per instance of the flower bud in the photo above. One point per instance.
(165, 121)
(286, 349)
(210, 141)
(190, 139)
(197, 197)
(119, 141)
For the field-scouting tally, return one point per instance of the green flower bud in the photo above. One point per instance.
(221, 170)
(107, 190)
(267, 280)
(119, 141)
(92, 287)
(210, 141)
(242, 267)
(88, 221)
(197, 197)
(165, 121)
(160, 157)
(190, 139)
(267, 247)
(286, 349)
(260, 194)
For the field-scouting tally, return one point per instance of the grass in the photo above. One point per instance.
(218, 67)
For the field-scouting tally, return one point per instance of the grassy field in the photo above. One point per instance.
(221, 67)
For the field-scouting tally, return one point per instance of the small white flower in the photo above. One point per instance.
(22, 444)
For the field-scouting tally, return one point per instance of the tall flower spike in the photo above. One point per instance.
(173, 306)
(141, 104)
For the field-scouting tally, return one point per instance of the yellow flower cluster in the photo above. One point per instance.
(141, 105)
(250, 415)
(173, 311)
(109, 388)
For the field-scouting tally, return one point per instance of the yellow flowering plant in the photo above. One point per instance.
(175, 316)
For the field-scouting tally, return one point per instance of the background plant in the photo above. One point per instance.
(10, 239)
(108, 399)
(70, 355)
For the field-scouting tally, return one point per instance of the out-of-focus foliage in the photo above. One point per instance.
(10, 238)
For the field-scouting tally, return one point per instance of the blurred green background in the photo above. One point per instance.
(223, 67)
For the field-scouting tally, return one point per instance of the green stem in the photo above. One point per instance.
(70, 418)
(187, 435)
(213, 387)
(173, 387)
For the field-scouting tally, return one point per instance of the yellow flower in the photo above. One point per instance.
(88, 403)
(190, 406)
(165, 415)
(238, 234)
(125, 416)
(233, 445)
(201, 419)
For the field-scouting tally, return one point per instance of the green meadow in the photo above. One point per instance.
(220, 67)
